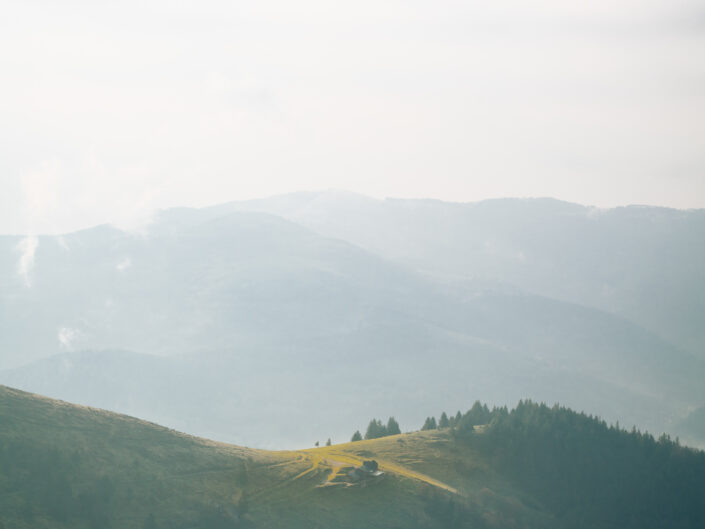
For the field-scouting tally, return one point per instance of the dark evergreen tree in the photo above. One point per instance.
(393, 427)
(328, 443)
(443, 422)
(357, 436)
(375, 429)
(430, 424)
(477, 415)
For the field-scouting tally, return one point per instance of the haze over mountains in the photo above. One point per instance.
(645, 263)
(303, 315)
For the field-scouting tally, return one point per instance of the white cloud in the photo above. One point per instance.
(40, 195)
(27, 247)
(67, 336)
(124, 264)
(62, 242)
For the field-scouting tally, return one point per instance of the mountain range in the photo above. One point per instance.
(259, 312)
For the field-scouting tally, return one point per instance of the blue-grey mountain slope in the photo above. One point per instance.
(256, 319)
(646, 264)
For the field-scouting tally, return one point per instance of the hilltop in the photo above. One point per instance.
(65, 465)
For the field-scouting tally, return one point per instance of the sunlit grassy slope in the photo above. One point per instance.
(63, 465)
(68, 466)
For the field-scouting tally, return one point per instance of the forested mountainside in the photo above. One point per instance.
(644, 263)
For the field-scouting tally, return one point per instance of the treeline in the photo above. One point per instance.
(479, 414)
(376, 429)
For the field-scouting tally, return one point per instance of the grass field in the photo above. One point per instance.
(66, 466)
(151, 473)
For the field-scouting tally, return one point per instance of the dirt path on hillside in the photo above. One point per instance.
(335, 460)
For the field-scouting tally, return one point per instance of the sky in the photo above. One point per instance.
(109, 110)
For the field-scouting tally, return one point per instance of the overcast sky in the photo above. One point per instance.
(110, 109)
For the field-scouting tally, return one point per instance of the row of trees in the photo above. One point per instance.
(477, 415)
(377, 429)
(443, 422)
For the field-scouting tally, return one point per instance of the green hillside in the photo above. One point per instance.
(65, 466)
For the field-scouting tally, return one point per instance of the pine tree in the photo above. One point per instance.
(393, 427)
(375, 429)
(357, 436)
(429, 424)
(328, 443)
(443, 422)
(316, 445)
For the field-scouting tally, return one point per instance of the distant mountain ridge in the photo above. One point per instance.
(645, 263)
(253, 316)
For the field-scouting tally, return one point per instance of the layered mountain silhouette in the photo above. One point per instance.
(641, 262)
(217, 317)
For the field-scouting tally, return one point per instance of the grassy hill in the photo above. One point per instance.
(63, 465)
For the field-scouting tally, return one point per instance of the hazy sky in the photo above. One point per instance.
(109, 109)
